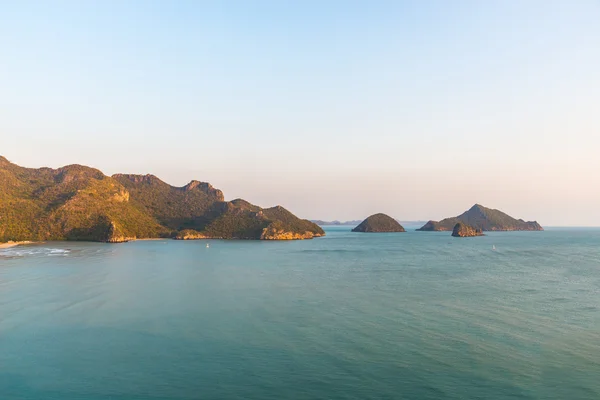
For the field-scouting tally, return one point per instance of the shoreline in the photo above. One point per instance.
(149, 239)
(8, 245)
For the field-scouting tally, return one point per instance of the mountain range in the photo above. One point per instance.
(321, 222)
(76, 202)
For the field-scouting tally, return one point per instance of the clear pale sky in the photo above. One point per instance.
(333, 109)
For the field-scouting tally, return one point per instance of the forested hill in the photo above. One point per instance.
(76, 202)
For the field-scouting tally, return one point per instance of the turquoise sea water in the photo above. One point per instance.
(418, 315)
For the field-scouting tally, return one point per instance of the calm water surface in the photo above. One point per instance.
(418, 315)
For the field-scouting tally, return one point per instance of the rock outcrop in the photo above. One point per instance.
(485, 219)
(273, 233)
(463, 230)
(116, 235)
(205, 188)
(379, 223)
(190, 234)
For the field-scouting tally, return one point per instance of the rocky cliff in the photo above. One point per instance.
(463, 230)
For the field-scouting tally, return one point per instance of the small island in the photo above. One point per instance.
(379, 223)
(464, 230)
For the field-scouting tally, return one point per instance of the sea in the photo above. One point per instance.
(416, 315)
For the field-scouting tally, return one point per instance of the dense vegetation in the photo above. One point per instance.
(379, 223)
(81, 203)
(485, 219)
(239, 219)
(173, 207)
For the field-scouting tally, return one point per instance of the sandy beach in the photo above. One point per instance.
(12, 244)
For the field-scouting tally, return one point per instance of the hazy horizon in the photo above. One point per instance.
(334, 111)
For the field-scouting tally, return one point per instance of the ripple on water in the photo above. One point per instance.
(412, 316)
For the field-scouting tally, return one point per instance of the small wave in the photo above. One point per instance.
(59, 251)
(32, 252)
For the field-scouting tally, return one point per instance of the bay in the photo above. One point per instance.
(416, 315)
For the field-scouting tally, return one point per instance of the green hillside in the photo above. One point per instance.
(81, 203)
(173, 207)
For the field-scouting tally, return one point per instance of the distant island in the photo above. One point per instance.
(379, 223)
(484, 219)
(358, 221)
(336, 222)
(81, 203)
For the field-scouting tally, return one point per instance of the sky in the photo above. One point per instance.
(333, 109)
